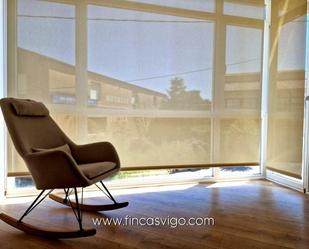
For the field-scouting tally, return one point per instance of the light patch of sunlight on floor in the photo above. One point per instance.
(227, 184)
(115, 192)
(17, 200)
(139, 190)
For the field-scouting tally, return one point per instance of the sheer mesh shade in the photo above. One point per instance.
(286, 87)
(167, 85)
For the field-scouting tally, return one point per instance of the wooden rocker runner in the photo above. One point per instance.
(55, 162)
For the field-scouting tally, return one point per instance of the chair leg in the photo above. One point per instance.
(37, 201)
(34, 204)
(78, 210)
(75, 205)
(106, 192)
(86, 207)
(67, 193)
(51, 234)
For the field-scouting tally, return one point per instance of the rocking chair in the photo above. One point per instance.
(55, 162)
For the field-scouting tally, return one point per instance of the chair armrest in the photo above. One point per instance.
(95, 152)
(59, 170)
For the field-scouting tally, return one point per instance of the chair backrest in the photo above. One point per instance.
(31, 126)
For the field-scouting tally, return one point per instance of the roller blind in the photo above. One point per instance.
(175, 84)
(286, 87)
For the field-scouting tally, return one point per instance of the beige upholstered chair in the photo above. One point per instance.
(56, 162)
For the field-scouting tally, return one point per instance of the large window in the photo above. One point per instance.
(155, 73)
(172, 85)
(287, 87)
(42, 64)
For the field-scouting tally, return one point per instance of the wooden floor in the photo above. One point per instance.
(256, 214)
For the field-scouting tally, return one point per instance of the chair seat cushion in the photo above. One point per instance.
(93, 170)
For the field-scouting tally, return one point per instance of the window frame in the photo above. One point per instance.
(275, 176)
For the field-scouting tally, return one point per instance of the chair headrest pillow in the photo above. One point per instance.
(26, 107)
